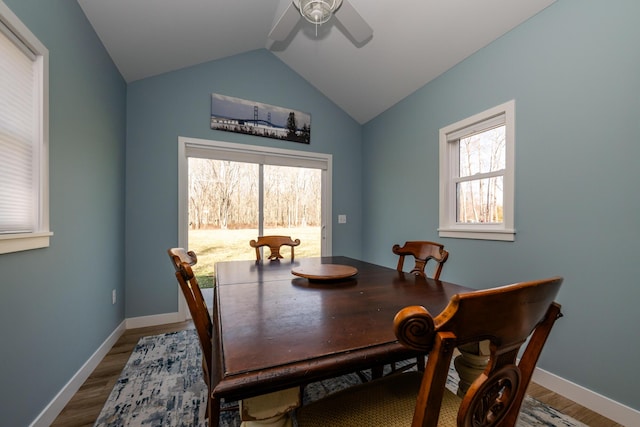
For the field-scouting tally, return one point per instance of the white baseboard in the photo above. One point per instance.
(53, 409)
(604, 406)
(154, 320)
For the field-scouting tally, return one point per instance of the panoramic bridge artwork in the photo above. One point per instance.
(256, 118)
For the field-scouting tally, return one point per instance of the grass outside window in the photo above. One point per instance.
(215, 245)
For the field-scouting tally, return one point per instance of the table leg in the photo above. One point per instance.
(471, 362)
(272, 409)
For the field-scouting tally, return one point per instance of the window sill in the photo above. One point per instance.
(24, 242)
(481, 234)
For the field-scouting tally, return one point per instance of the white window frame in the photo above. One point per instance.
(449, 147)
(40, 235)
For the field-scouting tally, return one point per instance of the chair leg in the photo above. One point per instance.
(213, 411)
(421, 361)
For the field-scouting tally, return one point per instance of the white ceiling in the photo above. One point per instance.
(413, 42)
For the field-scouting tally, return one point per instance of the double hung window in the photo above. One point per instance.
(476, 176)
(24, 204)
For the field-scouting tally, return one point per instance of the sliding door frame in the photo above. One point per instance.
(204, 148)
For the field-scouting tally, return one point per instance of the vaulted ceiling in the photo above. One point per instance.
(414, 41)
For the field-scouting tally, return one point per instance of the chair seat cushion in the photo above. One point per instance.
(389, 402)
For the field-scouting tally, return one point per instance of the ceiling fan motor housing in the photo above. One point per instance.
(317, 11)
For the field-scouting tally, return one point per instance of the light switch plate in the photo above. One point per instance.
(342, 219)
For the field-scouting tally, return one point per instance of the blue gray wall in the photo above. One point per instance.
(160, 109)
(574, 72)
(55, 303)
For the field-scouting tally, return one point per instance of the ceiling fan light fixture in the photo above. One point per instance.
(317, 11)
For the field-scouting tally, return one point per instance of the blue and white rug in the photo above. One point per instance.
(162, 385)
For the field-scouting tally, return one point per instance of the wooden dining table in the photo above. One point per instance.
(275, 330)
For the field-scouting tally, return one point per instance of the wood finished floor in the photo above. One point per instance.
(85, 406)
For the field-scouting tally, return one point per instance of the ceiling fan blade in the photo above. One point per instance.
(353, 23)
(285, 24)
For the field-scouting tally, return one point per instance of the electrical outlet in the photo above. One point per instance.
(342, 219)
(113, 296)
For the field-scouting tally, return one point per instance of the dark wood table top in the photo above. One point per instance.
(276, 330)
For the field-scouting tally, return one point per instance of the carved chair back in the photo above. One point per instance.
(274, 243)
(422, 252)
(506, 316)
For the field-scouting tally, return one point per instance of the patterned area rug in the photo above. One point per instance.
(162, 385)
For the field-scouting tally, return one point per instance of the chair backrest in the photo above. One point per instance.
(182, 262)
(422, 252)
(274, 243)
(506, 316)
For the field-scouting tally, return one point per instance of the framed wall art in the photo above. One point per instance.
(256, 118)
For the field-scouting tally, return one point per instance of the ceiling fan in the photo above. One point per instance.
(318, 12)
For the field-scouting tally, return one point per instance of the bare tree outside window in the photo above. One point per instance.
(481, 171)
(224, 210)
(291, 197)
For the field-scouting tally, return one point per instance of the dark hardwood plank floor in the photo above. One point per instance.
(85, 406)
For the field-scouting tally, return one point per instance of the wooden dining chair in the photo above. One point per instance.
(507, 316)
(274, 243)
(422, 252)
(182, 262)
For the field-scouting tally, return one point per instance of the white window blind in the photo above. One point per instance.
(19, 132)
(24, 137)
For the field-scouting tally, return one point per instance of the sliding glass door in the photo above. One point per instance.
(231, 194)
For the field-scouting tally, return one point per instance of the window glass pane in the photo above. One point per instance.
(223, 213)
(292, 206)
(480, 201)
(482, 152)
